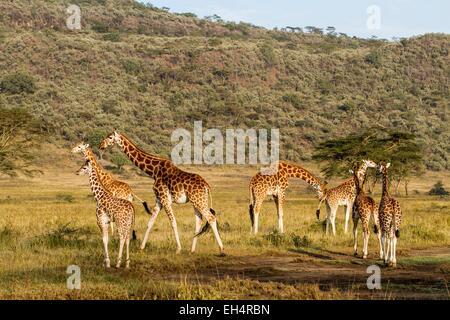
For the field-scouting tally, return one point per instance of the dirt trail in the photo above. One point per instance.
(412, 280)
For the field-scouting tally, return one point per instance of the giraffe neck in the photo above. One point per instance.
(385, 184)
(294, 171)
(360, 177)
(102, 174)
(148, 163)
(96, 186)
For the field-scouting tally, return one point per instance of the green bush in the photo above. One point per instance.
(113, 37)
(438, 190)
(100, 27)
(374, 58)
(18, 83)
(119, 159)
(131, 66)
(268, 53)
(293, 99)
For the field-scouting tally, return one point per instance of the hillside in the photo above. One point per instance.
(148, 72)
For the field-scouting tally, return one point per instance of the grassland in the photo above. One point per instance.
(48, 223)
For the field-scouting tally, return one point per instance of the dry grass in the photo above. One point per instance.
(47, 226)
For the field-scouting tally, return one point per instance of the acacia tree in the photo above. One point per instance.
(19, 137)
(400, 148)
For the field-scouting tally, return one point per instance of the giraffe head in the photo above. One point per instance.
(369, 164)
(320, 188)
(111, 139)
(80, 148)
(85, 169)
(382, 167)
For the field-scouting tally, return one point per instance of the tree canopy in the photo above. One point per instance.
(401, 149)
(19, 133)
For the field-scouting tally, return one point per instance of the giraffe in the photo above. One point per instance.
(274, 183)
(110, 208)
(342, 195)
(390, 219)
(117, 188)
(364, 208)
(171, 185)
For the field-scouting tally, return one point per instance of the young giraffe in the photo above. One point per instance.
(342, 195)
(364, 208)
(390, 219)
(117, 188)
(171, 185)
(110, 208)
(275, 183)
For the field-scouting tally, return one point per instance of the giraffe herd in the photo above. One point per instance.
(173, 185)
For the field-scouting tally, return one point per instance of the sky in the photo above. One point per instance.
(362, 18)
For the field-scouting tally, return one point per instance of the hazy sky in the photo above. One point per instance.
(397, 18)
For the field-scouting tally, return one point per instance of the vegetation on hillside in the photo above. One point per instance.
(147, 71)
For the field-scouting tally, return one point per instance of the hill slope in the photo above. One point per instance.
(148, 72)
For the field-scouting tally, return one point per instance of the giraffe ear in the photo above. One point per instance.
(388, 165)
(351, 171)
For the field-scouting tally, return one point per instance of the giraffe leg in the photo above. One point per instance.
(279, 204)
(257, 210)
(355, 236)
(387, 246)
(366, 242)
(151, 221)
(328, 218)
(119, 257)
(127, 244)
(198, 227)
(333, 219)
(173, 221)
(102, 222)
(380, 243)
(105, 246)
(365, 219)
(394, 252)
(112, 228)
(217, 236)
(348, 210)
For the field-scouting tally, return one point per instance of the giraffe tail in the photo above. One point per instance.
(206, 226)
(133, 237)
(318, 208)
(251, 212)
(251, 208)
(147, 209)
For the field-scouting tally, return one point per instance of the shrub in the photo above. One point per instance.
(62, 197)
(374, 58)
(119, 160)
(438, 190)
(131, 66)
(268, 53)
(18, 83)
(100, 27)
(300, 241)
(113, 37)
(275, 238)
(111, 106)
(293, 99)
